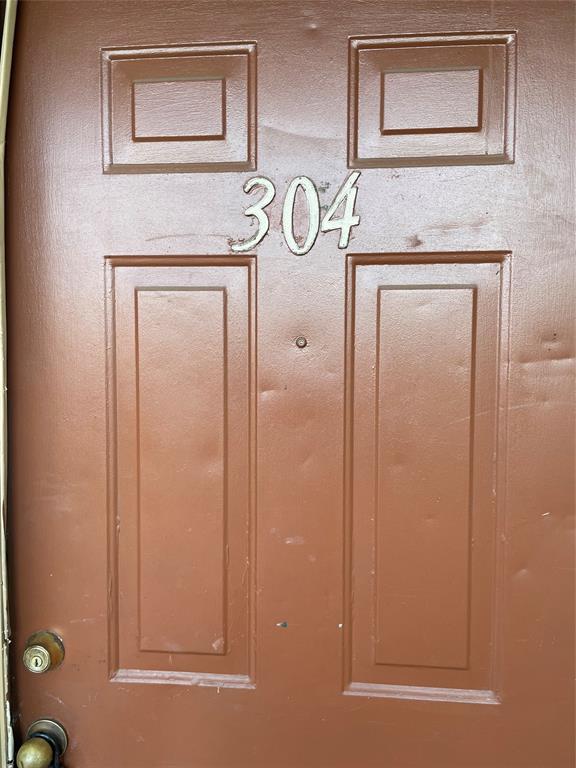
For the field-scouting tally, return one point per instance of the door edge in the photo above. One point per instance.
(6, 735)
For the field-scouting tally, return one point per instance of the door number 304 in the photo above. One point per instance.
(345, 200)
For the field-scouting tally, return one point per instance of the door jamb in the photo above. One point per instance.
(6, 737)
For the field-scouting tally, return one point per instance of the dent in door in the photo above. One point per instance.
(181, 434)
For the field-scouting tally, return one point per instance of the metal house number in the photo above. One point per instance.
(345, 198)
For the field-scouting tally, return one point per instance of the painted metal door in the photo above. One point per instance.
(291, 458)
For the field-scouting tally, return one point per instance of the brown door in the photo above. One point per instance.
(293, 483)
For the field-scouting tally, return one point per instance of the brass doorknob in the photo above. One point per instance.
(35, 753)
(46, 741)
(44, 651)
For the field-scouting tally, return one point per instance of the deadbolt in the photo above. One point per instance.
(44, 651)
(46, 742)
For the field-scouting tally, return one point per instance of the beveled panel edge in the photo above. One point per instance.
(224, 48)
(430, 257)
(440, 38)
(179, 260)
(120, 168)
(159, 677)
(163, 51)
(432, 162)
(416, 693)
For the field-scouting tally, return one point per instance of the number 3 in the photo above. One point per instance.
(257, 210)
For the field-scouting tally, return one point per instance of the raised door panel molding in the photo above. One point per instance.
(182, 109)
(181, 460)
(426, 364)
(432, 100)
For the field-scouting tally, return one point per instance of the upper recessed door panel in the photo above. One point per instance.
(432, 100)
(181, 109)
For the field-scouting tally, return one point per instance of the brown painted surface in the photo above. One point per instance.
(349, 554)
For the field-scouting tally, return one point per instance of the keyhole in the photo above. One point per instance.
(37, 661)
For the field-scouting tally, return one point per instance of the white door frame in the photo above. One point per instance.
(6, 739)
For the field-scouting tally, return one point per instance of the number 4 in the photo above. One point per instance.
(347, 193)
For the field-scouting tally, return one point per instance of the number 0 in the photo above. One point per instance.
(307, 185)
